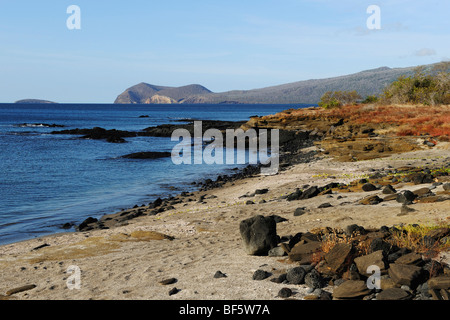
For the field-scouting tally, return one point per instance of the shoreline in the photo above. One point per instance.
(116, 136)
(193, 240)
(287, 158)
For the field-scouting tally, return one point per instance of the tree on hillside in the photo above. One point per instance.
(423, 88)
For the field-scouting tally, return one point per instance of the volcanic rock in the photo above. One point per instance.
(351, 289)
(371, 200)
(337, 258)
(406, 197)
(310, 193)
(405, 274)
(296, 275)
(389, 190)
(303, 252)
(259, 234)
(411, 258)
(368, 187)
(260, 275)
(377, 258)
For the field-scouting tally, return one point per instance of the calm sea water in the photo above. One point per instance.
(47, 180)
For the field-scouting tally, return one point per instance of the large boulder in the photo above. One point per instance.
(259, 234)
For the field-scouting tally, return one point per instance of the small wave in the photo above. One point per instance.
(39, 125)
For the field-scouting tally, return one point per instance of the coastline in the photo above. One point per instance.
(191, 240)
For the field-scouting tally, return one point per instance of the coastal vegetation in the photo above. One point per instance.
(427, 88)
(335, 99)
(416, 105)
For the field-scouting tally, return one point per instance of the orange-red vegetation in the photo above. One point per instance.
(409, 120)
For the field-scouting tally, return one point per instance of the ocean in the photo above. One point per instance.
(48, 180)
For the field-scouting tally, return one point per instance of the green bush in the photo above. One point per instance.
(334, 99)
(370, 99)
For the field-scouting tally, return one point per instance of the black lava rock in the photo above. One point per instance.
(219, 274)
(285, 293)
(296, 275)
(260, 275)
(259, 234)
(406, 197)
(389, 190)
(369, 187)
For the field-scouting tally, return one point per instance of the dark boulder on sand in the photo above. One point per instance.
(406, 197)
(259, 234)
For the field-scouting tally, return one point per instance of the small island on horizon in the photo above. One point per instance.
(33, 101)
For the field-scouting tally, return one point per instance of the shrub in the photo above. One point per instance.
(370, 99)
(334, 99)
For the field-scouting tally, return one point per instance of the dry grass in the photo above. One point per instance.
(329, 241)
(413, 237)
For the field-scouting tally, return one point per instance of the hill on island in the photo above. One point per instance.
(147, 93)
(368, 82)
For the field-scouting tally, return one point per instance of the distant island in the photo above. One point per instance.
(33, 101)
(366, 83)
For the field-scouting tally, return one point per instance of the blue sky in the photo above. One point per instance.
(223, 45)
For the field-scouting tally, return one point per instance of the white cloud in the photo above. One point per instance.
(424, 52)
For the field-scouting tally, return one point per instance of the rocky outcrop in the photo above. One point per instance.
(158, 99)
(97, 133)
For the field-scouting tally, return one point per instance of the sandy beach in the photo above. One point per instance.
(193, 241)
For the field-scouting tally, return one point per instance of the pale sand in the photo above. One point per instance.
(119, 264)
